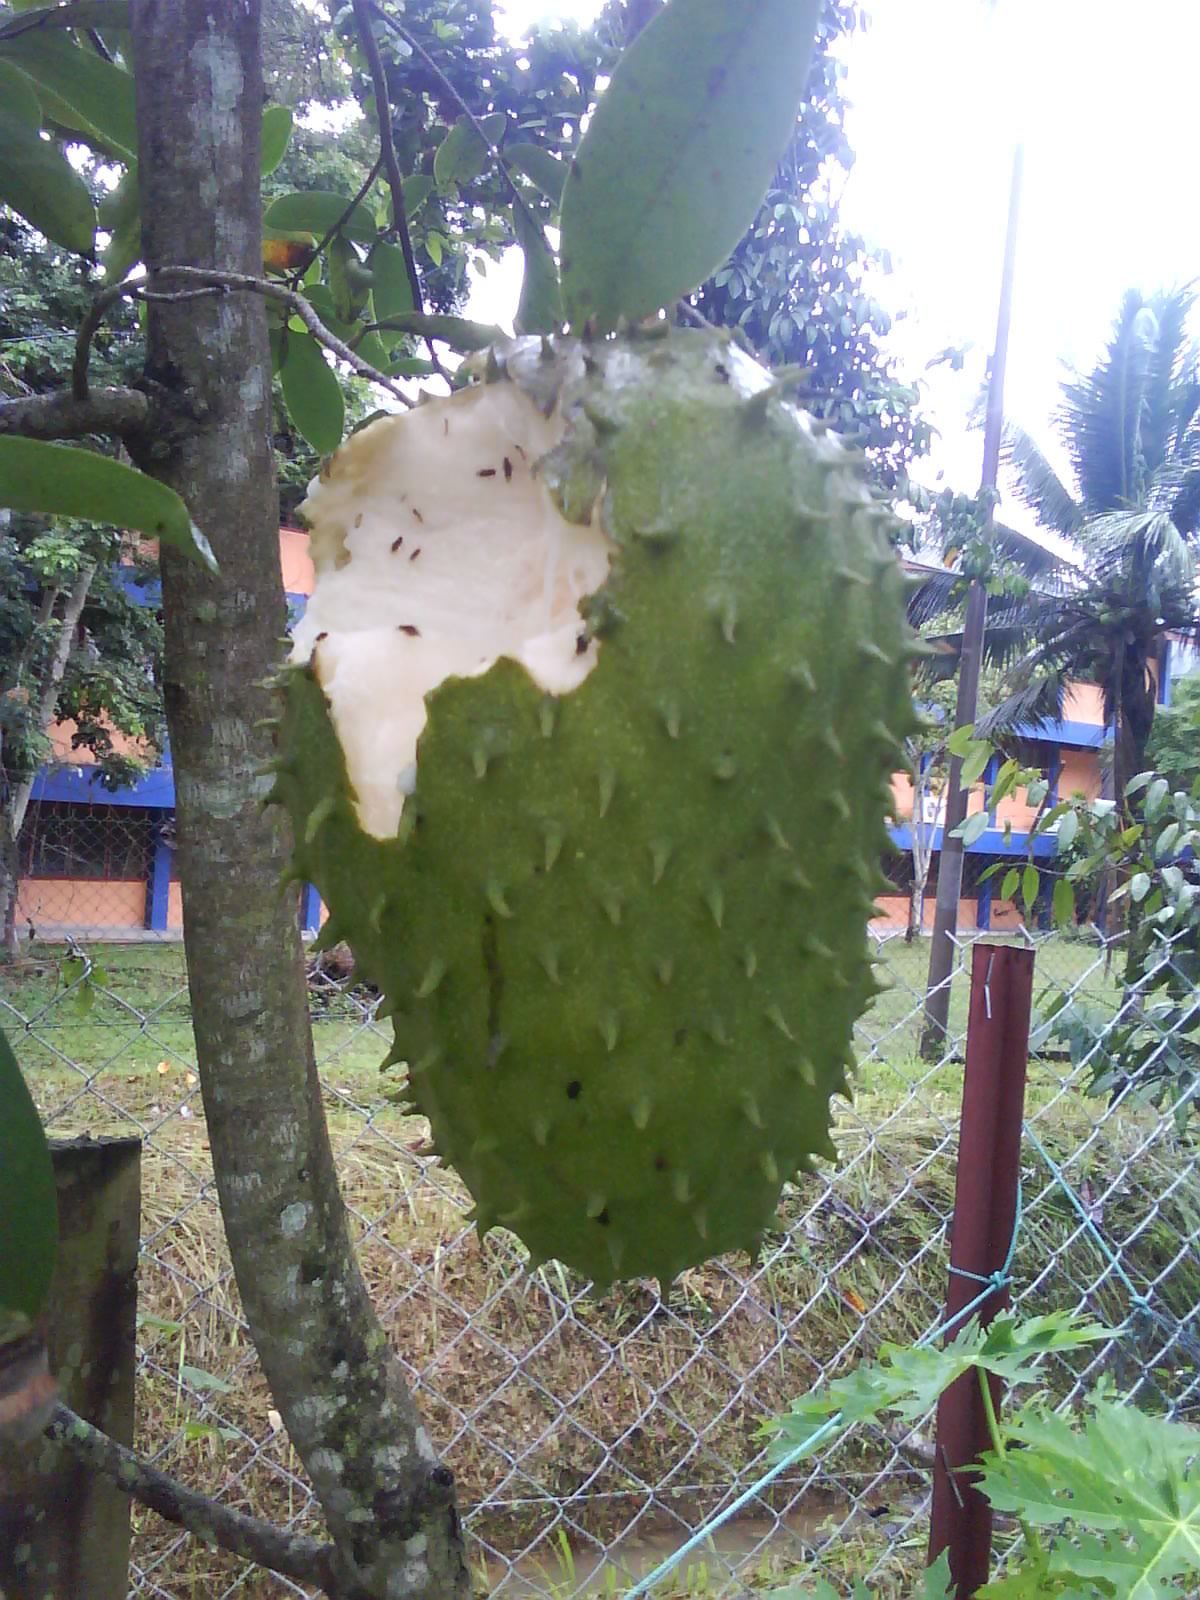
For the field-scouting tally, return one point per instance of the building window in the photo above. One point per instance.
(81, 841)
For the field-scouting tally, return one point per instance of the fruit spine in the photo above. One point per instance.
(607, 836)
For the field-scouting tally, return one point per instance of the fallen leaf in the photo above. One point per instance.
(186, 1111)
(274, 1420)
(191, 1080)
(163, 1068)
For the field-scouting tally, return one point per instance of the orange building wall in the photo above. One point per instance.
(1080, 772)
(81, 903)
(297, 564)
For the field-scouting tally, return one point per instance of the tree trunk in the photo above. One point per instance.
(13, 818)
(916, 911)
(388, 1502)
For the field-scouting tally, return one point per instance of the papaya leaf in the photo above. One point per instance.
(1125, 1482)
(392, 293)
(458, 332)
(28, 1198)
(78, 88)
(69, 481)
(316, 211)
(680, 151)
(276, 133)
(38, 181)
(312, 393)
(540, 308)
(542, 169)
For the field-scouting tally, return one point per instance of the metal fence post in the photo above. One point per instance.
(64, 1531)
(985, 1210)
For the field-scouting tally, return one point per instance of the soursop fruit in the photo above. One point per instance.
(587, 742)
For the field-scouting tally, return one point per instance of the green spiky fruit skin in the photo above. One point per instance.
(623, 931)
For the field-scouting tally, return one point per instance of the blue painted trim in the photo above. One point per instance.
(310, 910)
(158, 885)
(1080, 735)
(990, 842)
(81, 786)
(1055, 774)
(983, 907)
(1164, 679)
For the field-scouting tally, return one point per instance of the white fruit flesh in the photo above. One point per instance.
(438, 549)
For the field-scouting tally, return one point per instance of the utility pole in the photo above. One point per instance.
(950, 858)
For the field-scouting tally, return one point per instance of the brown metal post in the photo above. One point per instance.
(64, 1531)
(985, 1210)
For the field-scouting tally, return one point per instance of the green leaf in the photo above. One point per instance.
(540, 309)
(78, 88)
(973, 828)
(975, 762)
(1139, 887)
(199, 1379)
(392, 294)
(410, 367)
(276, 134)
(121, 216)
(1063, 904)
(462, 154)
(1068, 827)
(458, 332)
(313, 394)
(38, 181)
(1011, 879)
(416, 190)
(19, 98)
(28, 1197)
(346, 274)
(1030, 883)
(908, 1379)
(316, 211)
(69, 481)
(680, 151)
(540, 167)
(1126, 1484)
(961, 740)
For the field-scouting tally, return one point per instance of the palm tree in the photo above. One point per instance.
(1131, 521)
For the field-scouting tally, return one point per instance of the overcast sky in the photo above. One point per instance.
(1103, 95)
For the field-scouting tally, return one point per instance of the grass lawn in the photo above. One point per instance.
(535, 1391)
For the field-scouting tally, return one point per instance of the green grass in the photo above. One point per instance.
(850, 1266)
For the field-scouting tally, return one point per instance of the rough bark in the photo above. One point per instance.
(12, 820)
(388, 1502)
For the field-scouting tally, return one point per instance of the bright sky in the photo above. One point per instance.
(1103, 94)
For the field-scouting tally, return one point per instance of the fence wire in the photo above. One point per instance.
(591, 1436)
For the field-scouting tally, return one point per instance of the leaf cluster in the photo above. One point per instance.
(1118, 1490)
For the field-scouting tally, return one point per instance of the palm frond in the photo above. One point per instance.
(1101, 412)
(1032, 559)
(1038, 487)
(1040, 700)
(1165, 378)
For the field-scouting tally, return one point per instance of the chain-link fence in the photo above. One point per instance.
(590, 1436)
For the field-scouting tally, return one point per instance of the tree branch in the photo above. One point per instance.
(387, 150)
(363, 191)
(292, 1554)
(62, 415)
(218, 283)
